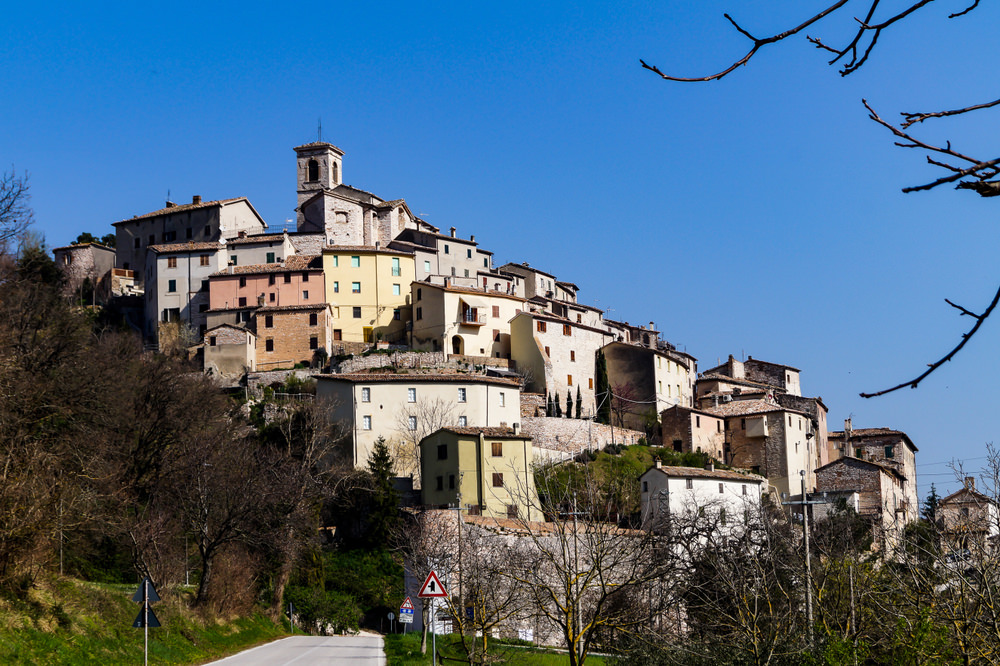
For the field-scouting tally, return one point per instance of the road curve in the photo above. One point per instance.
(312, 650)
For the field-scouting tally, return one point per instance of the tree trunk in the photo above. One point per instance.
(423, 639)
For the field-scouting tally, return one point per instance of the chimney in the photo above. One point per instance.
(472, 238)
(196, 199)
(710, 466)
(516, 427)
(970, 483)
(658, 462)
(453, 232)
(170, 204)
(229, 268)
(651, 327)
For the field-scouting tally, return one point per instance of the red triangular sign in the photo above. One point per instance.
(432, 587)
(407, 604)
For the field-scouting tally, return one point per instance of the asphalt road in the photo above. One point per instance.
(310, 650)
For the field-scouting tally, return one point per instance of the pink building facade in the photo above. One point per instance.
(296, 282)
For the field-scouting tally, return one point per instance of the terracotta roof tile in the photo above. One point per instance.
(292, 308)
(369, 249)
(701, 473)
(182, 208)
(748, 408)
(189, 246)
(394, 378)
(295, 262)
(496, 433)
(260, 238)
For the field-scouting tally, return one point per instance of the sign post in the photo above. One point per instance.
(145, 595)
(433, 589)
(406, 613)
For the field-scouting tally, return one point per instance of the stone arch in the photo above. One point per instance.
(457, 345)
(312, 169)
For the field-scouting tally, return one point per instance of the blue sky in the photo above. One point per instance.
(760, 215)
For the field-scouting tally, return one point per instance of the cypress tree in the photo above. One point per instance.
(579, 404)
(569, 404)
(602, 394)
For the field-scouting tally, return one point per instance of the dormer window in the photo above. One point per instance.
(313, 169)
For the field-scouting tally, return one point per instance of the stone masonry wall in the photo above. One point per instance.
(291, 333)
(532, 404)
(571, 436)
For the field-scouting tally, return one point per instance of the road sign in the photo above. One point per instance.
(406, 618)
(432, 588)
(406, 604)
(146, 592)
(141, 620)
(145, 595)
(392, 616)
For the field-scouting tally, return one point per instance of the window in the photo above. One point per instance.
(395, 290)
(356, 312)
(569, 380)
(496, 311)
(446, 248)
(659, 387)
(243, 282)
(462, 421)
(355, 287)
(645, 486)
(208, 230)
(313, 171)
(697, 421)
(169, 236)
(419, 292)
(743, 424)
(172, 285)
(512, 511)
(451, 482)
(547, 352)
(502, 401)
(590, 383)
(272, 296)
(204, 285)
(366, 423)
(420, 313)
(203, 259)
(498, 479)
(305, 294)
(718, 426)
(396, 272)
(497, 448)
(572, 356)
(857, 453)
(496, 335)
(288, 278)
(453, 270)
(540, 326)
(242, 301)
(427, 267)
(466, 272)
(171, 262)
(314, 342)
(442, 451)
(336, 261)
(721, 488)
(722, 516)
(411, 421)
(800, 424)
(411, 395)
(269, 345)
(396, 315)
(889, 452)
(789, 421)
(366, 394)
(744, 488)
(232, 259)
(211, 341)
(468, 254)
(305, 277)
(689, 483)
(336, 287)
(338, 334)
(356, 262)
(567, 329)
(270, 258)
(270, 279)
(461, 394)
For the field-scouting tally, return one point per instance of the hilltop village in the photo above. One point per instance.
(417, 337)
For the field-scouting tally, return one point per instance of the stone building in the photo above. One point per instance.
(688, 429)
(196, 222)
(291, 334)
(728, 498)
(881, 491)
(463, 321)
(487, 471)
(345, 214)
(229, 351)
(87, 268)
(888, 447)
(177, 293)
(777, 442)
(970, 521)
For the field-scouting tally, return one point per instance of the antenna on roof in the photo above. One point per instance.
(319, 129)
(168, 194)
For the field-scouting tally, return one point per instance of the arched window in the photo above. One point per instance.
(335, 180)
(313, 171)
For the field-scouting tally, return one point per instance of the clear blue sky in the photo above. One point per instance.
(760, 215)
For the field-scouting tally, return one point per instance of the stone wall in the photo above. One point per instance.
(257, 380)
(399, 359)
(571, 436)
(291, 337)
(532, 404)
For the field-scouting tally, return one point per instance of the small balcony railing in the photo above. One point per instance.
(473, 318)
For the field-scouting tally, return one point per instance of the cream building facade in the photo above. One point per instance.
(463, 321)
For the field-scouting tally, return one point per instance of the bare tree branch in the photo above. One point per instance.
(912, 118)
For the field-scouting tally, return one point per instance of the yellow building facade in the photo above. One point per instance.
(487, 471)
(369, 293)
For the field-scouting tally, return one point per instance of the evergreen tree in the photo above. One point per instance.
(929, 510)
(549, 409)
(569, 404)
(384, 500)
(579, 404)
(602, 393)
(558, 406)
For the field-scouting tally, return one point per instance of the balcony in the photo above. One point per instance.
(472, 317)
(396, 272)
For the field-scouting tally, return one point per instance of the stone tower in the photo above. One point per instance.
(319, 167)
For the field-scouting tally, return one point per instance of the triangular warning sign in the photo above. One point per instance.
(145, 587)
(406, 604)
(432, 587)
(140, 619)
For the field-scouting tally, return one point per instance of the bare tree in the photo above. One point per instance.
(413, 423)
(15, 212)
(965, 171)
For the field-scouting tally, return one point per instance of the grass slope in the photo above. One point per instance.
(66, 621)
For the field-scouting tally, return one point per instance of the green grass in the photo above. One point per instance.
(65, 621)
(403, 650)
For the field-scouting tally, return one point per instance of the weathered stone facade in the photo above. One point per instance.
(891, 448)
(881, 490)
(568, 437)
(83, 262)
(295, 335)
(686, 429)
